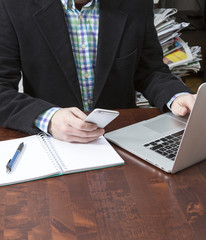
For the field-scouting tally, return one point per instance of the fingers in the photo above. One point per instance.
(75, 117)
(183, 104)
(68, 125)
(74, 135)
(178, 109)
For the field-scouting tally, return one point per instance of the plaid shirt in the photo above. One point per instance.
(83, 29)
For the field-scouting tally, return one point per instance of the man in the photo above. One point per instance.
(76, 55)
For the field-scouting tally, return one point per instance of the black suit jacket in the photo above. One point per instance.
(34, 43)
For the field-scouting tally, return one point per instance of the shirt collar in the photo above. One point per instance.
(71, 3)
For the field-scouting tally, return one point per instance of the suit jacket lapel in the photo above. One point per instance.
(111, 26)
(51, 21)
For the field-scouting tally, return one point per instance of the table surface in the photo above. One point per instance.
(134, 201)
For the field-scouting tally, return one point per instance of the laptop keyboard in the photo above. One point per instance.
(166, 146)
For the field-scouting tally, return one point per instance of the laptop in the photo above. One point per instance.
(171, 143)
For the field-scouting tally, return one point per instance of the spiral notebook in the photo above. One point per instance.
(44, 156)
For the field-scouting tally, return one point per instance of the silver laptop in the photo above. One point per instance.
(169, 142)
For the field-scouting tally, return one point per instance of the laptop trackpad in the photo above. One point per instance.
(164, 124)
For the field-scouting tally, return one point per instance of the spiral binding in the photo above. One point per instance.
(51, 152)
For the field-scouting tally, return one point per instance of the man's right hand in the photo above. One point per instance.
(68, 124)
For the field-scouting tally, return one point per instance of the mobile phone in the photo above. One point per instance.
(101, 117)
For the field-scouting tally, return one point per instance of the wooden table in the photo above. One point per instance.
(134, 201)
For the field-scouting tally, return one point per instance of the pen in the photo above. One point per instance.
(13, 160)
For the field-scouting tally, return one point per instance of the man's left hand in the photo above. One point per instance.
(183, 104)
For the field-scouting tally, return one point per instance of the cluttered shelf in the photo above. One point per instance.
(181, 58)
(181, 54)
(194, 35)
(185, 46)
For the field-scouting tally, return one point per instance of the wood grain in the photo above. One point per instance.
(132, 202)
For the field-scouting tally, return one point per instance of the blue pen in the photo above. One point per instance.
(11, 162)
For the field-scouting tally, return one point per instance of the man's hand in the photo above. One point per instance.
(183, 104)
(68, 124)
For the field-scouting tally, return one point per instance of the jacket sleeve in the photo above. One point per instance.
(17, 110)
(153, 78)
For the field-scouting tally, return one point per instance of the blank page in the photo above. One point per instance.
(32, 163)
(79, 157)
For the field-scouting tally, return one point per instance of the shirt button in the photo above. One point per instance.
(86, 75)
(90, 101)
(83, 46)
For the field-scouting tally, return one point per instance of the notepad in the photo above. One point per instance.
(44, 156)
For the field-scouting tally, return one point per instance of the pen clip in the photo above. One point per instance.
(8, 168)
